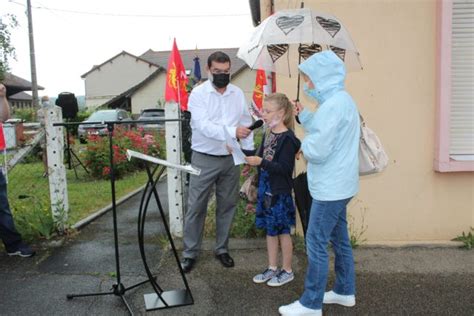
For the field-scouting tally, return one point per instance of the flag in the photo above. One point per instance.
(196, 70)
(258, 94)
(176, 80)
(3, 144)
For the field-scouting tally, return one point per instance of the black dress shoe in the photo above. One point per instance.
(187, 264)
(226, 260)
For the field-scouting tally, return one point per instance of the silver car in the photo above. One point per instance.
(100, 129)
(151, 114)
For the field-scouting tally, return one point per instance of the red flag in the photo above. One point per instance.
(258, 94)
(176, 80)
(260, 81)
(3, 144)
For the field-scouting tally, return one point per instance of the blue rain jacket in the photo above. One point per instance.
(331, 143)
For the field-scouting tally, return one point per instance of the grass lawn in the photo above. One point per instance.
(28, 190)
(28, 194)
(88, 195)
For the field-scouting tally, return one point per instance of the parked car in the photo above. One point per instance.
(150, 114)
(100, 129)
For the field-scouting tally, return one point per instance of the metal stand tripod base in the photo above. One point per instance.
(117, 289)
(173, 298)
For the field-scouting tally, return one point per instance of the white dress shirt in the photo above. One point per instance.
(212, 113)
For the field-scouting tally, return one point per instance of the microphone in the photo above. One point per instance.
(256, 125)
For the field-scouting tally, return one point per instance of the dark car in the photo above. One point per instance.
(151, 114)
(100, 129)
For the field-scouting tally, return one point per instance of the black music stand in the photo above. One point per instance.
(160, 299)
(118, 288)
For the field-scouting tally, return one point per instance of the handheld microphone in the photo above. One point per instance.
(255, 125)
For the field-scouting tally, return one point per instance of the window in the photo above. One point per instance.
(455, 76)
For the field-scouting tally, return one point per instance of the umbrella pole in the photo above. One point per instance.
(299, 76)
(299, 62)
(298, 84)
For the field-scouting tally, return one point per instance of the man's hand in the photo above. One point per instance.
(3, 90)
(245, 170)
(242, 132)
(253, 160)
(229, 149)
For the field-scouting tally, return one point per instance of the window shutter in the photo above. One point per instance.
(462, 81)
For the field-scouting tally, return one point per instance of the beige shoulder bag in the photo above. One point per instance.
(372, 156)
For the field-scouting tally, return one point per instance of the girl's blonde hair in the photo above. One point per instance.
(282, 102)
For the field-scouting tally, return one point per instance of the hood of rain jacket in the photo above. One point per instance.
(327, 72)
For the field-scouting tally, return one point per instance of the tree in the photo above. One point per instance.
(7, 51)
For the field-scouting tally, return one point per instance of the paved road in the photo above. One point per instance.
(390, 281)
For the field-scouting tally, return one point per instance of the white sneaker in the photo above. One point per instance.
(296, 309)
(334, 298)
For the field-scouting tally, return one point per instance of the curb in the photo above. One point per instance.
(428, 244)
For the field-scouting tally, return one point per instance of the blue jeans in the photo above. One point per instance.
(8, 233)
(327, 223)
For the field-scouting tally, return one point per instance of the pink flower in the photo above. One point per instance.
(105, 171)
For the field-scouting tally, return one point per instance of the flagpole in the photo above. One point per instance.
(179, 122)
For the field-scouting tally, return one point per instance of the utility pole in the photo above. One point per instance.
(34, 82)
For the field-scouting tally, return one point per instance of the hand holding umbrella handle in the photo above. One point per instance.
(297, 108)
(298, 154)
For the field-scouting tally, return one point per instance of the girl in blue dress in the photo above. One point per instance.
(275, 210)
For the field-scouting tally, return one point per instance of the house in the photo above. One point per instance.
(146, 74)
(114, 76)
(16, 86)
(21, 100)
(416, 92)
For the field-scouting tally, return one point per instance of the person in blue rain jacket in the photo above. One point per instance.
(330, 146)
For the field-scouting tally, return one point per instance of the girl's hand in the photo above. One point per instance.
(253, 160)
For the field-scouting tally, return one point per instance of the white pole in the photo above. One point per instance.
(173, 155)
(56, 169)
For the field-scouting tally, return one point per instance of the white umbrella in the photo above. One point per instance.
(270, 46)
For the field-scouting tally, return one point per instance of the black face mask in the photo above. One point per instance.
(220, 80)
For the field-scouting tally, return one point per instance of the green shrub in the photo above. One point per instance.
(96, 154)
(356, 234)
(26, 115)
(243, 225)
(33, 218)
(466, 239)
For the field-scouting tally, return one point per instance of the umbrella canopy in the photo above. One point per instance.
(303, 199)
(269, 47)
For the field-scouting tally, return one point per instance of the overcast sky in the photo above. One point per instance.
(72, 36)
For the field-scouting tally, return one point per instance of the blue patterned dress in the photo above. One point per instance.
(274, 213)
